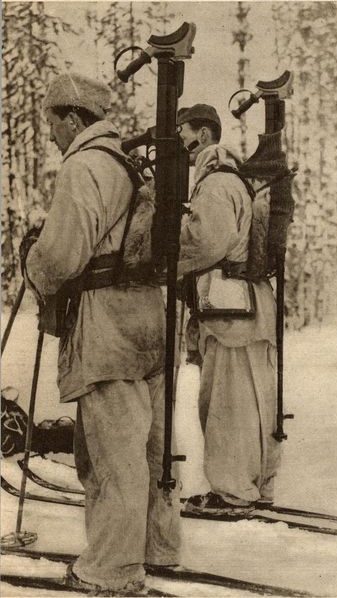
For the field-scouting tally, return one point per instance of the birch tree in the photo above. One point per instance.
(28, 62)
(307, 48)
(116, 27)
(36, 46)
(241, 36)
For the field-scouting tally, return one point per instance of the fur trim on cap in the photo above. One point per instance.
(72, 89)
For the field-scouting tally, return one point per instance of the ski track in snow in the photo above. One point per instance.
(253, 551)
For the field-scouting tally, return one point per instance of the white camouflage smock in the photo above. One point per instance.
(111, 361)
(119, 333)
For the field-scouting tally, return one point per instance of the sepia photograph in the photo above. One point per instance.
(169, 299)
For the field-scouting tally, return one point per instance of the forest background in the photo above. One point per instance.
(236, 44)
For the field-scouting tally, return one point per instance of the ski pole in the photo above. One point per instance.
(29, 432)
(12, 317)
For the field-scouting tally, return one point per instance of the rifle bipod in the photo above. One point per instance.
(171, 184)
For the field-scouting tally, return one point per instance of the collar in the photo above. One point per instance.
(101, 128)
(212, 157)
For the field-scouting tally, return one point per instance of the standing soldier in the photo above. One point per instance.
(111, 353)
(237, 400)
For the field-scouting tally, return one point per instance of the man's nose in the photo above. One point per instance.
(51, 136)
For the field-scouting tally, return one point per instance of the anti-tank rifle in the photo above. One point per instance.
(146, 140)
(171, 184)
(269, 163)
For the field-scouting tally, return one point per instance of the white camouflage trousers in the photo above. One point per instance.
(237, 410)
(118, 452)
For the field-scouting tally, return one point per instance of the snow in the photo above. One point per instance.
(18, 364)
(249, 550)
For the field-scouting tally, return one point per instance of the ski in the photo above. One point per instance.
(64, 500)
(181, 574)
(46, 484)
(59, 585)
(259, 517)
(57, 557)
(297, 512)
(67, 501)
(288, 511)
(256, 514)
(193, 576)
(319, 529)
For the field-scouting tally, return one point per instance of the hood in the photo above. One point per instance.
(101, 128)
(212, 157)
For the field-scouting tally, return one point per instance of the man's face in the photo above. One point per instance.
(62, 131)
(189, 136)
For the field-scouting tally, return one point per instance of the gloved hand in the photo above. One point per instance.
(28, 240)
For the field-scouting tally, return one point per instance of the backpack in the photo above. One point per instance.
(13, 424)
(273, 206)
(135, 251)
(268, 183)
(48, 436)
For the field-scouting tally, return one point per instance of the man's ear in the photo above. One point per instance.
(75, 121)
(205, 135)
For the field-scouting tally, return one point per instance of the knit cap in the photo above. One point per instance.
(73, 89)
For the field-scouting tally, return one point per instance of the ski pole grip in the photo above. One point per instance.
(134, 66)
(253, 99)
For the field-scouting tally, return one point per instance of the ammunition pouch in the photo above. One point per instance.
(54, 314)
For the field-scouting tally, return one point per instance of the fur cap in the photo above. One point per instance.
(72, 89)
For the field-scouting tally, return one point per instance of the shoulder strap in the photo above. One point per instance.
(83, 144)
(136, 181)
(225, 168)
(130, 169)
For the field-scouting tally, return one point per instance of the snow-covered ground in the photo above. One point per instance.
(253, 551)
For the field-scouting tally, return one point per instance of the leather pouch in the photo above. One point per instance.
(217, 295)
